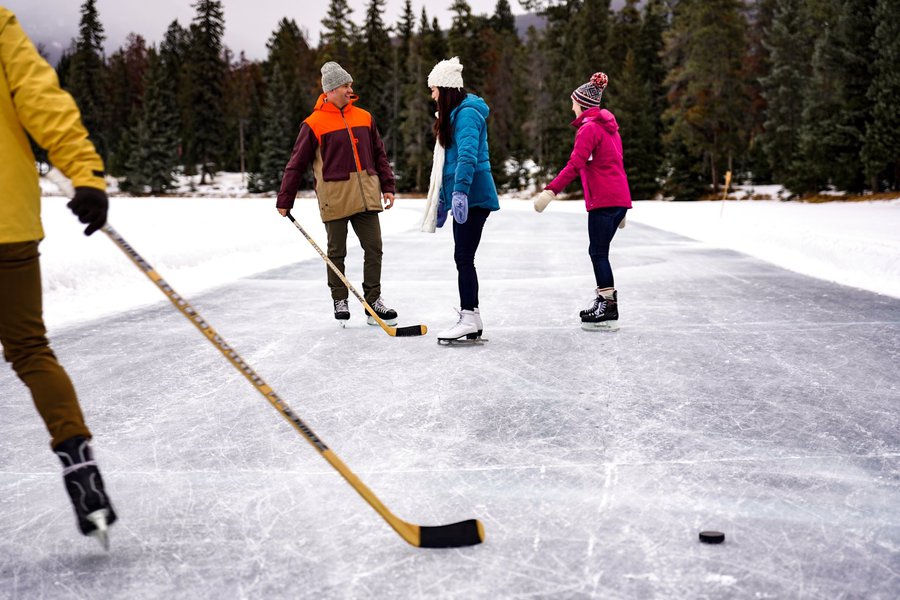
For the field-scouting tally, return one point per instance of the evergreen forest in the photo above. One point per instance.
(801, 93)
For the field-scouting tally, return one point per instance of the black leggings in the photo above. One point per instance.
(602, 226)
(467, 237)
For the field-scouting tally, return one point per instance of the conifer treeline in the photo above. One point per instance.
(798, 92)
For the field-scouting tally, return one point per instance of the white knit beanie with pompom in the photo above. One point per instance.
(447, 74)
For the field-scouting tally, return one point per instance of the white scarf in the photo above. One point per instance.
(429, 219)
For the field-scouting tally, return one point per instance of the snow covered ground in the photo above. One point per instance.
(737, 396)
(198, 243)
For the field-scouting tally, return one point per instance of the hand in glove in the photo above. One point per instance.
(441, 213)
(460, 207)
(543, 199)
(90, 206)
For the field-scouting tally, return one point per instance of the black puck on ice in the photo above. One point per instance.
(712, 537)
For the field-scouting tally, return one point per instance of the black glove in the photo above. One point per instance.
(90, 205)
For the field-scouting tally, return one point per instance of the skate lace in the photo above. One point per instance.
(341, 305)
(599, 306)
(81, 465)
(379, 306)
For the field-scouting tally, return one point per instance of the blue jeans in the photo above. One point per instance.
(467, 237)
(602, 226)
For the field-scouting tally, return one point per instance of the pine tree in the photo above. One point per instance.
(591, 24)
(625, 30)
(632, 104)
(465, 41)
(373, 71)
(291, 53)
(125, 78)
(402, 76)
(206, 70)
(881, 149)
(757, 66)
(835, 106)
(505, 93)
(790, 56)
(416, 113)
(154, 152)
(173, 55)
(277, 136)
(86, 76)
(337, 34)
(552, 106)
(244, 91)
(707, 101)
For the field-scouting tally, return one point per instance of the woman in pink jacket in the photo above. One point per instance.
(597, 159)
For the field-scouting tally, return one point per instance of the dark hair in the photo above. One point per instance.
(448, 100)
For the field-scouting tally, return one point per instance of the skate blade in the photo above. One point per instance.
(342, 324)
(388, 322)
(101, 533)
(462, 342)
(601, 326)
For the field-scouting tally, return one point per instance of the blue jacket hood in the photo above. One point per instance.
(472, 101)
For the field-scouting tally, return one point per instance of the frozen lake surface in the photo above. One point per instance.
(737, 396)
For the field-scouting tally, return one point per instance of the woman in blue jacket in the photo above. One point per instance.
(467, 186)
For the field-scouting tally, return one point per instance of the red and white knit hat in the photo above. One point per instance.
(589, 94)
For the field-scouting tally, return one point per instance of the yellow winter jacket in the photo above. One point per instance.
(31, 99)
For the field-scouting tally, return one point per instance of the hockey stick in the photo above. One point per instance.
(453, 535)
(464, 533)
(411, 330)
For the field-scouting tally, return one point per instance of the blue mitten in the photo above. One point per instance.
(441, 213)
(460, 207)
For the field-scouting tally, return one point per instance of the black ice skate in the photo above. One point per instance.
(388, 315)
(342, 311)
(85, 486)
(604, 314)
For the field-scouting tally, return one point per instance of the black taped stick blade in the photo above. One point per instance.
(454, 535)
(712, 537)
(411, 331)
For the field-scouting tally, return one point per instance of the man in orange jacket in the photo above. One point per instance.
(352, 173)
(31, 101)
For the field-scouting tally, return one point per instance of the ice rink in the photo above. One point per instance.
(737, 396)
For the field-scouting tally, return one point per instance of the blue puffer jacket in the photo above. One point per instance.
(467, 167)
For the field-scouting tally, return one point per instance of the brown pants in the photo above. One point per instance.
(25, 346)
(368, 230)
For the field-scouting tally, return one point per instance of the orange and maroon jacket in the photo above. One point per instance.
(348, 159)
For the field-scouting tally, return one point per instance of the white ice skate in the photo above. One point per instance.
(466, 331)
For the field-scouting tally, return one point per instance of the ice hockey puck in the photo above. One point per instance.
(712, 537)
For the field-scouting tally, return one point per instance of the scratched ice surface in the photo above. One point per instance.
(737, 396)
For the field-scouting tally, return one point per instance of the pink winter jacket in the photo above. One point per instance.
(597, 158)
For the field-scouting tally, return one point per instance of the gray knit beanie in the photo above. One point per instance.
(334, 76)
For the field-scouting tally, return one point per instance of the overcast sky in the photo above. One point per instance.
(248, 23)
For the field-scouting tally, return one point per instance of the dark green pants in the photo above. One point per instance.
(368, 230)
(25, 346)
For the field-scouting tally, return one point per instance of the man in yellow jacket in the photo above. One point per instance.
(31, 101)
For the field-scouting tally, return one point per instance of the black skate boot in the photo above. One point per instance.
(341, 311)
(604, 315)
(85, 486)
(388, 315)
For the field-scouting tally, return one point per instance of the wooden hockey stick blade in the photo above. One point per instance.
(455, 535)
(410, 330)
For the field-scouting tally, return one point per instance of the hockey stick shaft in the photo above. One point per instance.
(464, 533)
(409, 331)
